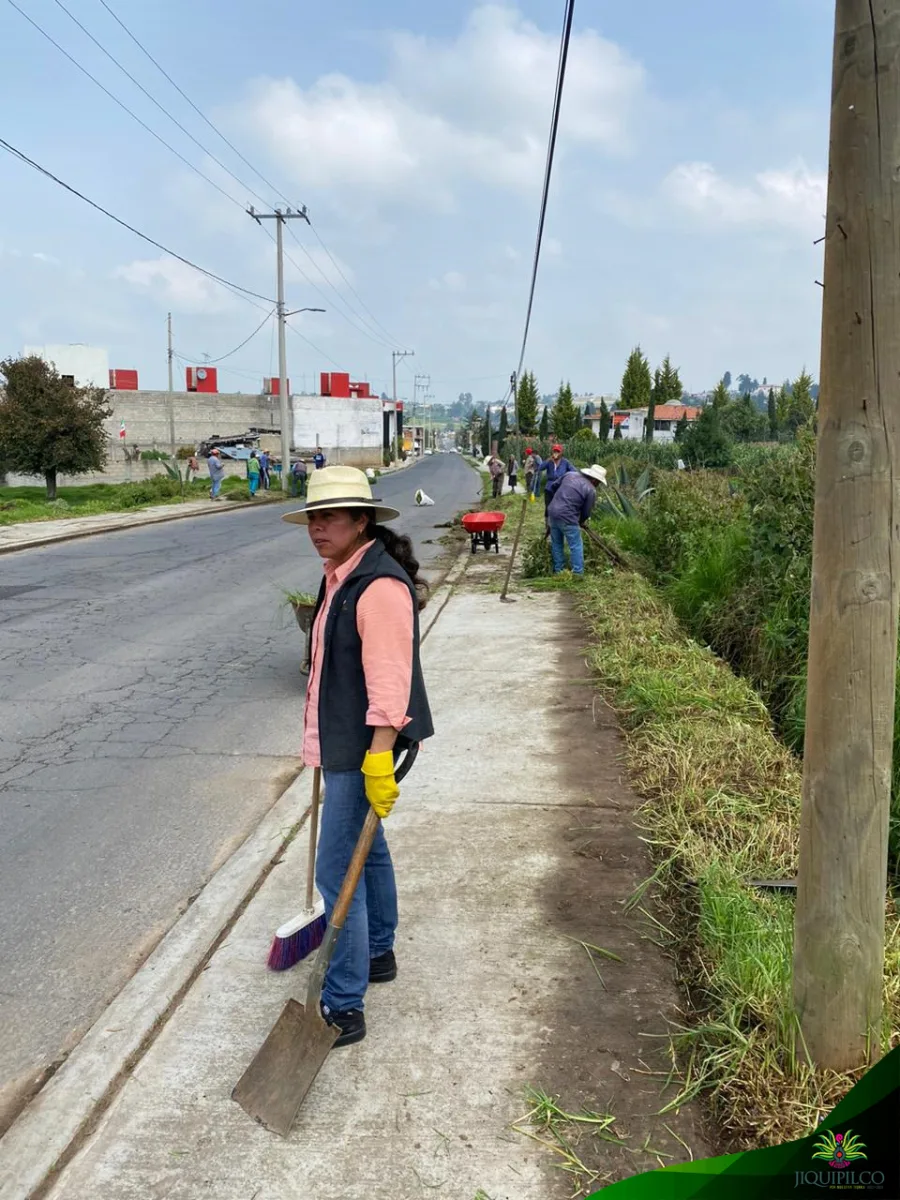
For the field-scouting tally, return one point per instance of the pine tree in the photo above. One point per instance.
(720, 395)
(655, 395)
(605, 421)
(617, 433)
(566, 417)
(486, 433)
(802, 409)
(636, 382)
(773, 417)
(503, 432)
(670, 387)
(527, 403)
(545, 424)
(682, 427)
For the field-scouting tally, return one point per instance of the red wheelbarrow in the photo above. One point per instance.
(484, 529)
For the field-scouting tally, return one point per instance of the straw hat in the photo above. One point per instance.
(340, 487)
(597, 474)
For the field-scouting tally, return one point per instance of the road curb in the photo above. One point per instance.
(50, 1130)
(158, 520)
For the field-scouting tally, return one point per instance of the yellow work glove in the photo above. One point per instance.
(381, 786)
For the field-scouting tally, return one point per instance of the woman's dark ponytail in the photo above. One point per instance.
(400, 548)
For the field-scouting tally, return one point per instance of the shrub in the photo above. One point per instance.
(154, 456)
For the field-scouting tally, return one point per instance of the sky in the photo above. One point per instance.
(687, 195)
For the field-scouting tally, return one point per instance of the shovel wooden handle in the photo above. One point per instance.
(357, 862)
(313, 836)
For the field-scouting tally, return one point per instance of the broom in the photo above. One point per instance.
(303, 934)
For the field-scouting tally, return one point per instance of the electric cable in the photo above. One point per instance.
(222, 357)
(160, 106)
(187, 162)
(234, 287)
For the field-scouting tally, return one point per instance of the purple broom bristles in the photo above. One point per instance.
(298, 939)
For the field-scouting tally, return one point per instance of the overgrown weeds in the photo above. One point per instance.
(722, 808)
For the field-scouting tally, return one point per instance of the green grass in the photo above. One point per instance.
(722, 808)
(30, 503)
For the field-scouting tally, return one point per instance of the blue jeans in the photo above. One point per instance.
(214, 486)
(254, 483)
(571, 534)
(372, 920)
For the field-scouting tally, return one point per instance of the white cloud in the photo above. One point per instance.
(451, 281)
(475, 108)
(793, 196)
(177, 284)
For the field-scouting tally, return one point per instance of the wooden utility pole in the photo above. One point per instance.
(839, 928)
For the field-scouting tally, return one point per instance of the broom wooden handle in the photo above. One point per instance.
(313, 836)
(357, 862)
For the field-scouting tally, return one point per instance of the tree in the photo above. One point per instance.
(726, 379)
(720, 395)
(743, 421)
(670, 388)
(544, 430)
(706, 444)
(655, 395)
(49, 427)
(773, 416)
(682, 427)
(636, 383)
(617, 433)
(605, 421)
(503, 432)
(486, 433)
(746, 384)
(566, 417)
(802, 408)
(527, 403)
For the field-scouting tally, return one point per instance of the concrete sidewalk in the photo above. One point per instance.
(513, 843)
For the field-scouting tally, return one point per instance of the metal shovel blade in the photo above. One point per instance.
(274, 1086)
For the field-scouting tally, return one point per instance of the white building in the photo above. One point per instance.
(633, 423)
(86, 366)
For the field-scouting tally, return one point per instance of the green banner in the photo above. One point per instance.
(854, 1151)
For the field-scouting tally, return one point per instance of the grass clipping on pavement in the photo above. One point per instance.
(722, 808)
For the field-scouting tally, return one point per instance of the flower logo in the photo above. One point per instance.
(839, 1149)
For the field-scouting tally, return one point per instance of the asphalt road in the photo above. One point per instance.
(150, 710)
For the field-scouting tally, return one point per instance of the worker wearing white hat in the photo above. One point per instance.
(571, 506)
(365, 699)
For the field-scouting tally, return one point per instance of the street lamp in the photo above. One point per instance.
(294, 312)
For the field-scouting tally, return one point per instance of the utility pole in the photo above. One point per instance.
(839, 923)
(171, 390)
(395, 354)
(279, 216)
(422, 381)
(429, 400)
(514, 389)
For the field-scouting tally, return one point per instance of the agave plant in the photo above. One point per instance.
(626, 506)
(173, 470)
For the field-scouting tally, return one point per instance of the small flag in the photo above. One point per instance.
(122, 432)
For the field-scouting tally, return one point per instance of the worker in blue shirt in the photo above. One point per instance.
(556, 467)
(318, 459)
(570, 507)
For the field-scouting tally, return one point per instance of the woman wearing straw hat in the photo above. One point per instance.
(366, 697)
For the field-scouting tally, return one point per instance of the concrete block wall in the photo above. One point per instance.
(349, 431)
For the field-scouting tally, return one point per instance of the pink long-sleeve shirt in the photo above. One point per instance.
(384, 620)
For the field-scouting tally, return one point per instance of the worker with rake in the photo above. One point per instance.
(366, 697)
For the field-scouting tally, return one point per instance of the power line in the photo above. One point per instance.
(391, 341)
(551, 148)
(234, 287)
(312, 345)
(153, 100)
(196, 109)
(376, 324)
(212, 361)
(375, 337)
(74, 61)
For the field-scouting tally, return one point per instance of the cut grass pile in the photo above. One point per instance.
(722, 808)
(93, 499)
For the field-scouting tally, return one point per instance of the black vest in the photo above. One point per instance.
(344, 737)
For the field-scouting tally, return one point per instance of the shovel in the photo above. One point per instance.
(274, 1086)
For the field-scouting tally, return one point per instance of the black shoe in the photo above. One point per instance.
(383, 968)
(351, 1023)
